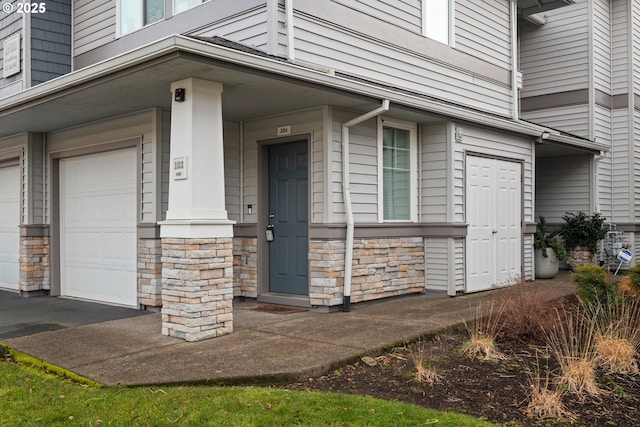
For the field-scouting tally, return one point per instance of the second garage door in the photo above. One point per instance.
(98, 255)
(9, 223)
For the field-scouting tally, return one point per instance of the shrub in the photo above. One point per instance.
(593, 285)
(617, 334)
(528, 309)
(483, 334)
(630, 284)
(581, 229)
(546, 400)
(571, 342)
(424, 371)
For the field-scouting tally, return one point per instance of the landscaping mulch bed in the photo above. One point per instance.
(498, 391)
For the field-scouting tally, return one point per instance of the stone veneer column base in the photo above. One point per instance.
(34, 265)
(197, 287)
(150, 273)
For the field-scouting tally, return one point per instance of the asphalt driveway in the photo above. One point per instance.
(21, 316)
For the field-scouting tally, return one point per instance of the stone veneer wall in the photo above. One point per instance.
(326, 272)
(150, 272)
(381, 268)
(245, 267)
(34, 264)
(197, 287)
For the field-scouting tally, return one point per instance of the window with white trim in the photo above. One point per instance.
(436, 19)
(182, 5)
(397, 158)
(135, 14)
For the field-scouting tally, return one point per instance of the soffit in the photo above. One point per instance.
(246, 95)
(530, 7)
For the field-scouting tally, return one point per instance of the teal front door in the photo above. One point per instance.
(288, 235)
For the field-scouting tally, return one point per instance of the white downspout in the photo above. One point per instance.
(514, 61)
(346, 192)
(291, 51)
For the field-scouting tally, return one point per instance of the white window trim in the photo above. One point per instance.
(173, 7)
(119, 29)
(413, 172)
(451, 28)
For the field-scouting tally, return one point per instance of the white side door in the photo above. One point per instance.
(494, 212)
(9, 227)
(98, 221)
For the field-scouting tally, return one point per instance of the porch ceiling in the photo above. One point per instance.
(247, 94)
(529, 7)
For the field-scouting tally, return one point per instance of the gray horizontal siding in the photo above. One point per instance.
(348, 41)
(602, 45)
(406, 14)
(34, 181)
(555, 57)
(573, 119)
(434, 174)
(636, 166)
(563, 184)
(94, 24)
(249, 28)
(620, 48)
(635, 37)
(438, 261)
(165, 169)
(603, 131)
(444, 264)
(620, 177)
(232, 169)
(483, 26)
(95, 27)
(51, 42)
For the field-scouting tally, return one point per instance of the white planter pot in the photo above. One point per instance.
(546, 267)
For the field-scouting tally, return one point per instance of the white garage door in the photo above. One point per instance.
(494, 215)
(98, 250)
(9, 223)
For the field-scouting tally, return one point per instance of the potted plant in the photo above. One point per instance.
(548, 251)
(581, 234)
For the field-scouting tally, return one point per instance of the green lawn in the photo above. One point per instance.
(29, 396)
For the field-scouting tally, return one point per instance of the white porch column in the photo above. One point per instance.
(197, 259)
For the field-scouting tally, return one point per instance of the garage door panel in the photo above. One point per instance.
(9, 227)
(98, 227)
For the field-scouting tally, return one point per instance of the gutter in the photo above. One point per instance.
(346, 191)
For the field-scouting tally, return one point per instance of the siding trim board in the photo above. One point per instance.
(34, 230)
(365, 231)
(577, 97)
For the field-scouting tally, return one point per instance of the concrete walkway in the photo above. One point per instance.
(263, 347)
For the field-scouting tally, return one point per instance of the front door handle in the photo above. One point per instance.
(269, 232)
